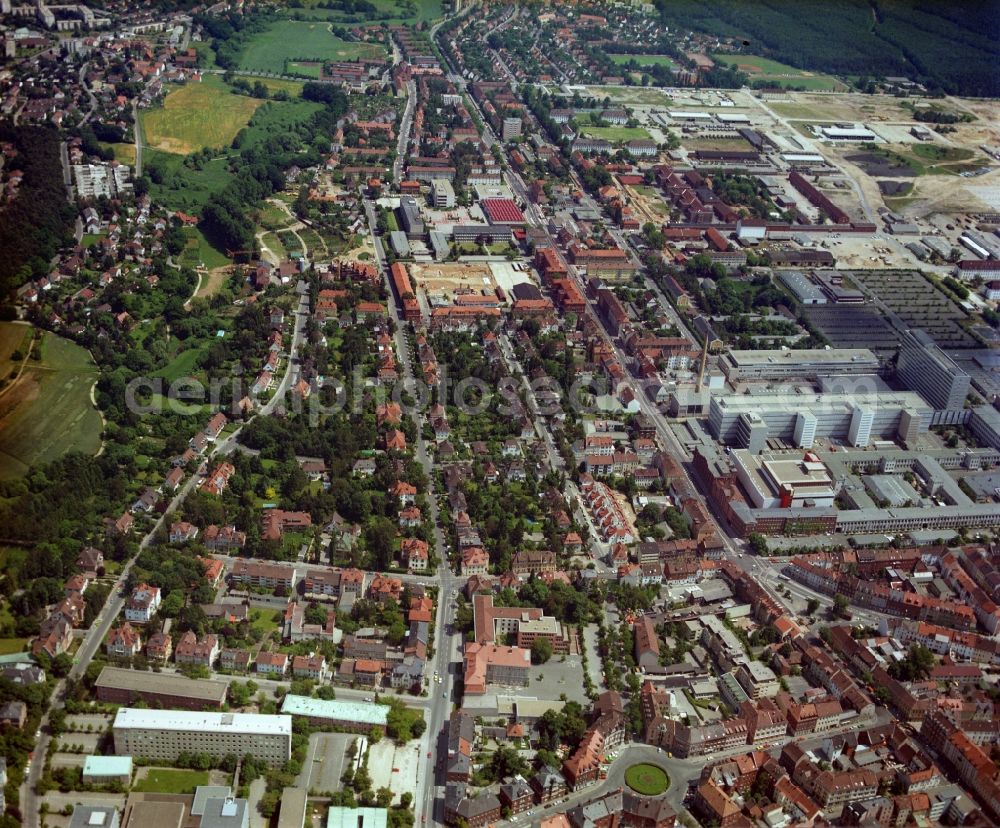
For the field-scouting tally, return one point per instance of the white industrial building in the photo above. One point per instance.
(748, 420)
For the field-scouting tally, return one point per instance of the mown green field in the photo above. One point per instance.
(304, 69)
(642, 60)
(48, 411)
(197, 115)
(162, 780)
(294, 40)
(780, 74)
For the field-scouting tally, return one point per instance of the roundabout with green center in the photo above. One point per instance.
(647, 779)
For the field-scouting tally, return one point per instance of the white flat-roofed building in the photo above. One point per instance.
(164, 734)
(805, 363)
(777, 412)
(339, 817)
(854, 133)
(100, 770)
(784, 481)
(349, 715)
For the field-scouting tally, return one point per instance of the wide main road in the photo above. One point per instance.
(445, 662)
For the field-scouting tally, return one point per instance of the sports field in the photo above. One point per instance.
(642, 60)
(197, 115)
(780, 74)
(616, 134)
(295, 41)
(47, 411)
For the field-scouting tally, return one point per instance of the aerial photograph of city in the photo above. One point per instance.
(516, 413)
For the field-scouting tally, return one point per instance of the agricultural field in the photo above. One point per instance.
(295, 41)
(197, 115)
(48, 410)
(616, 134)
(642, 60)
(780, 74)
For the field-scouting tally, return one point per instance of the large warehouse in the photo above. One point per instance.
(165, 734)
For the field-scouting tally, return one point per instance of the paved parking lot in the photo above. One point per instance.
(325, 761)
(396, 767)
(555, 677)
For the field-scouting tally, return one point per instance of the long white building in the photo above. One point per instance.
(164, 734)
(892, 414)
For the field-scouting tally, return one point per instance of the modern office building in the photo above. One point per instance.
(165, 734)
(809, 363)
(442, 195)
(511, 128)
(410, 218)
(805, 429)
(859, 434)
(923, 367)
(740, 419)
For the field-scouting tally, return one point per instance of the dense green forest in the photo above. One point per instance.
(952, 47)
(40, 220)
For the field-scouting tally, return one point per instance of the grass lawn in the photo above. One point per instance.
(264, 620)
(48, 412)
(162, 780)
(292, 40)
(646, 779)
(125, 153)
(272, 217)
(197, 115)
(273, 243)
(304, 69)
(616, 134)
(13, 645)
(642, 60)
(182, 365)
(184, 188)
(198, 251)
(781, 74)
(206, 54)
(13, 337)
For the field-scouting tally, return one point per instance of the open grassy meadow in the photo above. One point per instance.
(780, 74)
(48, 411)
(389, 11)
(293, 88)
(199, 253)
(295, 41)
(197, 115)
(642, 60)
